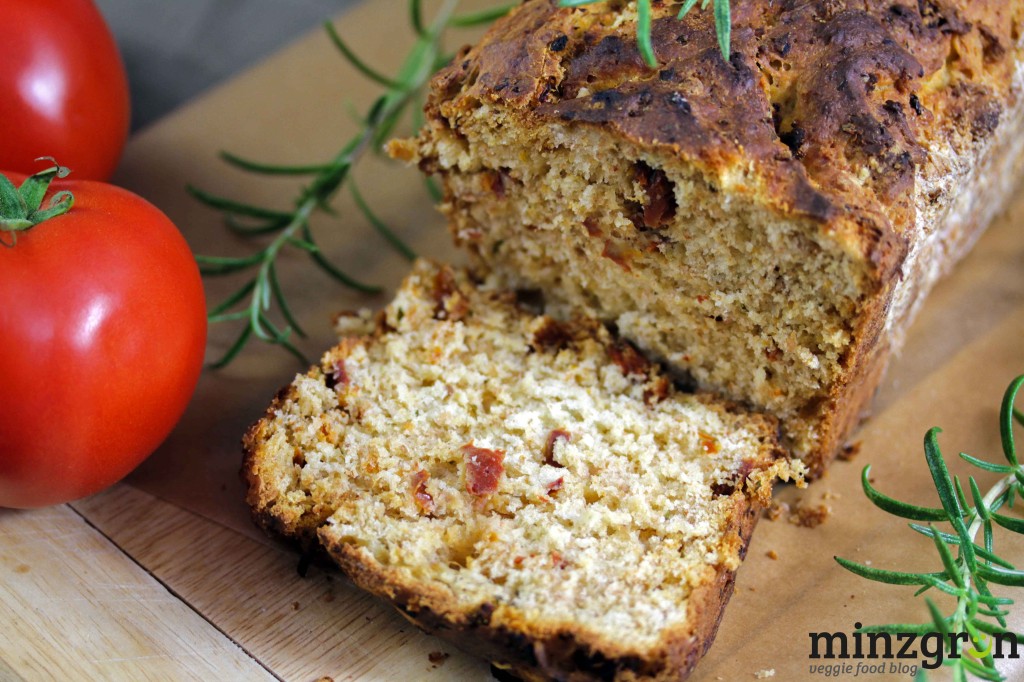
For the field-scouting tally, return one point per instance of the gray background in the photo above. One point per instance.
(174, 49)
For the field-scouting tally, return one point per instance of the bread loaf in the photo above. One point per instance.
(534, 490)
(768, 224)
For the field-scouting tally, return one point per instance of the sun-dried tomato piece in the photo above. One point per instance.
(708, 443)
(620, 255)
(549, 447)
(552, 335)
(484, 469)
(336, 375)
(660, 206)
(423, 499)
(451, 304)
(629, 359)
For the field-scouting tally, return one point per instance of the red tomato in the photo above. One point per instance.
(103, 327)
(65, 93)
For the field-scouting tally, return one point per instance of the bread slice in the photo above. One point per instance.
(767, 224)
(534, 490)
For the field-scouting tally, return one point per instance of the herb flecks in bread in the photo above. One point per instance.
(526, 480)
(767, 224)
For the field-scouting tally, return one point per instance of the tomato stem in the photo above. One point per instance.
(21, 207)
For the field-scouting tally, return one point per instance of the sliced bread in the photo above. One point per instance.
(532, 489)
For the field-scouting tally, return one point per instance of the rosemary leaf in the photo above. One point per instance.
(487, 16)
(892, 628)
(379, 225)
(722, 18)
(1001, 576)
(355, 61)
(938, 620)
(723, 26)
(931, 531)
(303, 244)
(995, 601)
(979, 501)
(992, 613)
(281, 338)
(235, 348)
(884, 576)
(337, 274)
(257, 228)
(985, 596)
(976, 669)
(227, 317)
(944, 488)
(275, 288)
(893, 506)
(271, 169)
(960, 497)
(1006, 417)
(1009, 523)
(987, 466)
(685, 9)
(212, 265)
(990, 629)
(234, 298)
(952, 570)
(416, 17)
(643, 33)
(238, 208)
(943, 586)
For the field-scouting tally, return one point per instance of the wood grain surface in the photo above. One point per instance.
(165, 577)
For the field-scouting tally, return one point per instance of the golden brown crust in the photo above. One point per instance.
(812, 95)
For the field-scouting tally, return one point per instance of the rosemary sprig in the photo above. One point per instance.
(644, 11)
(968, 575)
(253, 303)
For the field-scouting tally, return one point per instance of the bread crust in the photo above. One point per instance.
(865, 121)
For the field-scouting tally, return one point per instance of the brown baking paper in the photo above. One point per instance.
(960, 354)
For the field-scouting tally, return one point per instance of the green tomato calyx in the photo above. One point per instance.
(21, 207)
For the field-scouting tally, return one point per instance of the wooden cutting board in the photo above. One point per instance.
(164, 577)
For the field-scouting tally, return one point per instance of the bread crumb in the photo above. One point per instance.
(775, 510)
(325, 678)
(809, 516)
(295, 606)
(437, 658)
(849, 451)
(764, 674)
(800, 514)
(354, 322)
(771, 554)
